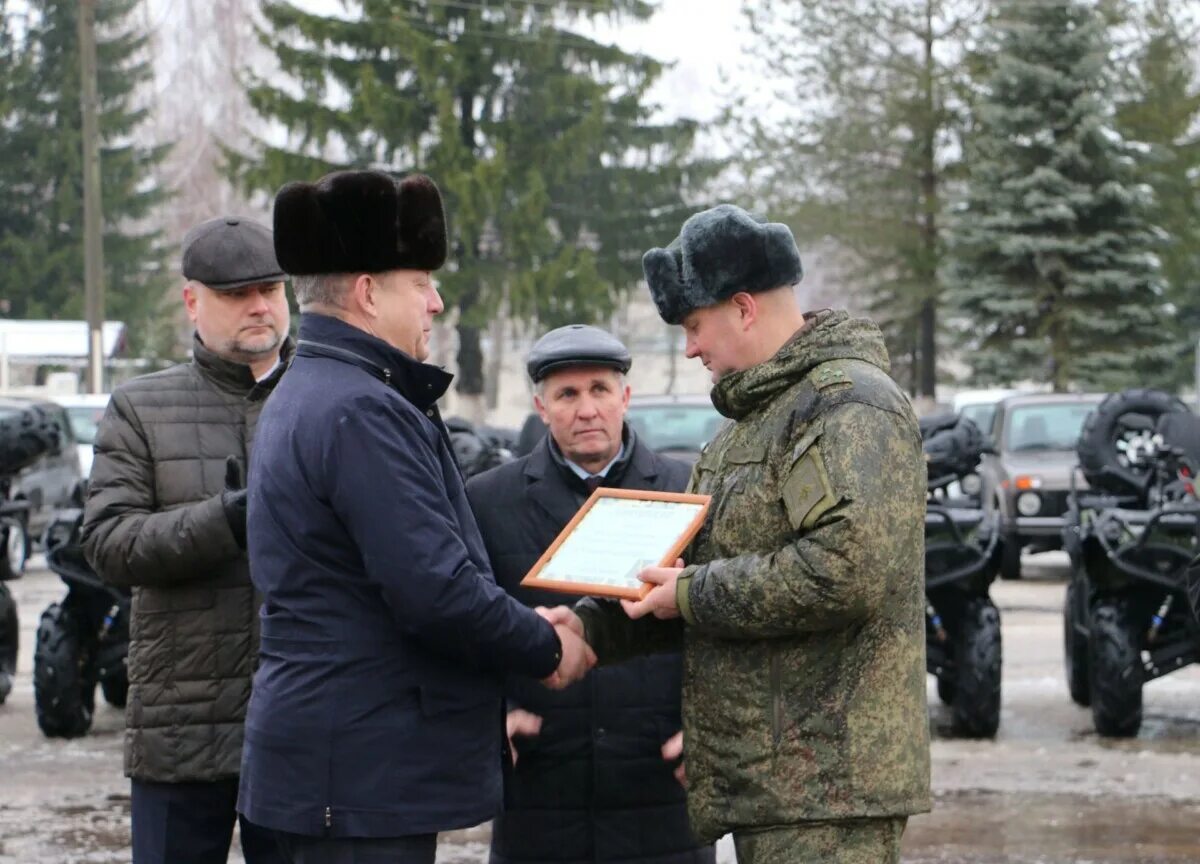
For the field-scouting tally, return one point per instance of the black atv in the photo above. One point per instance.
(82, 641)
(477, 449)
(1131, 535)
(962, 624)
(25, 437)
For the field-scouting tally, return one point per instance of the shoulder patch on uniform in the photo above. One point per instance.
(807, 492)
(828, 377)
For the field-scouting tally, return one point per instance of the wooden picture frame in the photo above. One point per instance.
(586, 559)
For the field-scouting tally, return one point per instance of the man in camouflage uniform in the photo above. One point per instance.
(801, 608)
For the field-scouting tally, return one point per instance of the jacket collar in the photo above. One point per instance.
(420, 383)
(826, 335)
(236, 377)
(635, 462)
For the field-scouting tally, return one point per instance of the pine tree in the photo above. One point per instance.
(857, 144)
(1163, 113)
(43, 244)
(540, 137)
(1055, 264)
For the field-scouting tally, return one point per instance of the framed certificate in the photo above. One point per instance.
(616, 534)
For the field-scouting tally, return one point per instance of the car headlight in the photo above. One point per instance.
(972, 484)
(1029, 503)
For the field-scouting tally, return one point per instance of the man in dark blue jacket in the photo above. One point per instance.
(594, 773)
(376, 716)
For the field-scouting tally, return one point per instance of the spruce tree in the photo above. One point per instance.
(43, 238)
(1055, 265)
(539, 136)
(1162, 112)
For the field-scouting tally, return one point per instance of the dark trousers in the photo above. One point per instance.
(192, 823)
(298, 849)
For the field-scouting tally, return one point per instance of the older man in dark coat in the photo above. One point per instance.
(376, 719)
(594, 767)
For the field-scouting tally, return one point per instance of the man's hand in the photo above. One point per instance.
(577, 659)
(661, 599)
(233, 499)
(672, 751)
(563, 615)
(523, 723)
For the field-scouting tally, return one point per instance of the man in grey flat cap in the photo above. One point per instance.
(801, 606)
(166, 515)
(592, 768)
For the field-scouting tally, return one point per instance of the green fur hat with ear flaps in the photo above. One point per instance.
(718, 253)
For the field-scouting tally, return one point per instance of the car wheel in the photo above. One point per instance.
(1116, 671)
(64, 693)
(1075, 643)
(10, 637)
(16, 549)
(978, 658)
(1010, 557)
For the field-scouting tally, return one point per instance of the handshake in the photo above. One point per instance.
(577, 656)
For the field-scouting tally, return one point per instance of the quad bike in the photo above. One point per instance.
(1131, 535)
(25, 437)
(962, 624)
(82, 640)
(477, 449)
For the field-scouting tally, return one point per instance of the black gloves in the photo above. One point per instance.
(233, 499)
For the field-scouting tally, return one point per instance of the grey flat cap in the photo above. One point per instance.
(229, 252)
(576, 345)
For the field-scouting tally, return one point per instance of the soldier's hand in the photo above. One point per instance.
(523, 723)
(565, 616)
(661, 599)
(577, 659)
(672, 751)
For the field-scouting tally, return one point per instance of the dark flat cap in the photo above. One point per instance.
(360, 222)
(576, 345)
(230, 252)
(718, 253)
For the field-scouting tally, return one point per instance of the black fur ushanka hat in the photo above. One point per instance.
(360, 222)
(718, 253)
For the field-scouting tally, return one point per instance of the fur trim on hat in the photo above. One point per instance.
(360, 222)
(718, 253)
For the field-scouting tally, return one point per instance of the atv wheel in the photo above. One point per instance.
(946, 689)
(1010, 557)
(64, 694)
(1075, 644)
(976, 705)
(16, 549)
(10, 634)
(26, 437)
(1116, 671)
(114, 684)
(1103, 463)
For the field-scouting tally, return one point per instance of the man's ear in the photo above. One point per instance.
(190, 300)
(364, 293)
(541, 408)
(747, 308)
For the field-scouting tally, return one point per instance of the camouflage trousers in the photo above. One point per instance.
(850, 841)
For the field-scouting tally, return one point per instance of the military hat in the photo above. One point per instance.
(229, 252)
(360, 222)
(718, 253)
(576, 345)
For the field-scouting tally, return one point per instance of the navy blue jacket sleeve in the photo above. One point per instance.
(387, 485)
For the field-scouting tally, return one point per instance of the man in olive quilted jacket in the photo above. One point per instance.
(166, 516)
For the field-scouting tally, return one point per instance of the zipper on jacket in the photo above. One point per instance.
(328, 817)
(776, 698)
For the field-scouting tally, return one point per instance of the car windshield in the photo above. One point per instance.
(83, 421)
(675, 427)
(981, 415)
(1047, 426)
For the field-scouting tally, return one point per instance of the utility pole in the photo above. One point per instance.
(93, 247)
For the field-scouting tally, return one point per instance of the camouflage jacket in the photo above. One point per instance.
(804, 639)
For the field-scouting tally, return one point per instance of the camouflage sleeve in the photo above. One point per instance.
(854, 497)
(615, 637)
